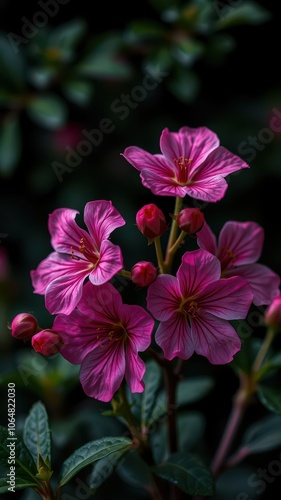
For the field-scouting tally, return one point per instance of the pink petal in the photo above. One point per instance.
(219, 162)
(101, 304)
(57, 266)
(174, 337)
(135, 370)
(101, 218)
(110, 263)
(243, 239)
(63, 294)
(215, 339)
(162, 185)
(228, 298)
(206, 239)
(163, 296)
(66, 235)
(262, 280)
(211, 189)
(197, 270)
(192, 143)
(79, 335)
(141, 159)
(102, 371)
(138, 324)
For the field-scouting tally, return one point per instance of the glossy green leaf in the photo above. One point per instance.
(190, 429)
(262, 436)
(66, 37)
(245, 12)
(193, 389)
(24, 463)
(10, 144)
(11, 62)
(103, 468)
(47, 111)
(134, 471)
(188, 473)
(270, 397)
(78, 91)
(184, 85)
(36, 432)
(152, 380)
(89, 453)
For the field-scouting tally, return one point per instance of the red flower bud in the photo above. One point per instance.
(47, 342)
(151, 221)
(143, 273)
(190, 220)
(272, 315)
(24, 326)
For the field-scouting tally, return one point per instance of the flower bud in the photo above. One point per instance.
(47, 342)
(151, 221)
(272, 315)
(190, 220)
(24, 326)
(143, 273)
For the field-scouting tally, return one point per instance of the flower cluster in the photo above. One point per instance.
(189, 309)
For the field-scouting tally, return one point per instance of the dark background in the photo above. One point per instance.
(235, 99)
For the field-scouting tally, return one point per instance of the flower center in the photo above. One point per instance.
(190, 308)
(111, 333)
(82, 252)
(183, 167)
(227, 258)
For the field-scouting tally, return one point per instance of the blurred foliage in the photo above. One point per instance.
(120, 76)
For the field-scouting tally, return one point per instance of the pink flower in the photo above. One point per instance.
(194, 307)
(239, 247)
(192, 163)
(104, 336)
(78, 254)
(143, 273)
(47, 342)
(151, 221)
(24, 326)
(272, 315)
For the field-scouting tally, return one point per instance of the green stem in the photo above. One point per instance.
(159, 254)
(173, 236)
(270, 335)
(126, 274)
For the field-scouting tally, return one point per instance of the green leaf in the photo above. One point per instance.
(234, 484)
(104, 468)
(24, 463)
(152, 381)
(262, 436)
(104, 61)
(47, 110)
(270, 366)
(11, 64)
(139, 31)
(187, 472)
(36, 433)
(190, 428)
(10, 144)
(246, 13)
(187, 51)
(78, 91)
(20, 484)
(66, 37)
(134, 471)
(89, 453)
(270, 397)
(184, 85)
(193, 389)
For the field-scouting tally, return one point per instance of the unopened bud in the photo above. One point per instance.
(190, 220)
(272, 315)
(47, 342)
(24, 326)
(151, 221)
(143, 273)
